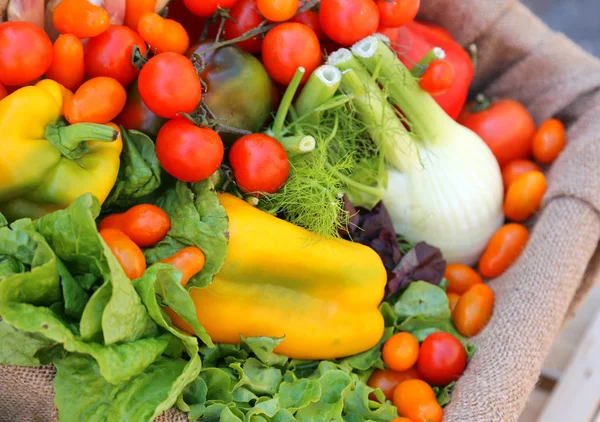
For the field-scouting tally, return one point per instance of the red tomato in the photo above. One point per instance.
(395, 13)
(442, 359)
(549, 141)
(516, 168)
(144, 224)
(169, 85)
(194, 25)
(188, 152)
(277, 10)
(136, 115)
(129, 255)
(260, 163)
(244, 17)
(109, 54)
(25, 53)
(387, 380)
(504, 248)
(524, 196)
(505, 126)
(310, 18)
(287, 47)
(68, 67)
(348, 21)
(207, 8)
(97, 100)
(163, 34)
(438, 77)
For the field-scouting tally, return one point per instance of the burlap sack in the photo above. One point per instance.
(522, 59)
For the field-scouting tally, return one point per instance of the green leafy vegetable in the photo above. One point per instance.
(19, 348)
(139, 171)
(443, 394)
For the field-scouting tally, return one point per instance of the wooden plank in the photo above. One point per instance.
(577, 395)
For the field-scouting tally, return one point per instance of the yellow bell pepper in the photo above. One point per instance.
(45, 164)
(278, 280)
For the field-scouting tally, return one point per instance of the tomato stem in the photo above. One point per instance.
(286, 102)
(482, 103)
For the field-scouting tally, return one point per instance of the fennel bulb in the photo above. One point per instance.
(444, 184)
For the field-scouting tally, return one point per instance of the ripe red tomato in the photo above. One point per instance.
(277, 10)
(310, 18)
(109, 54)
(207, 8)
(505, 126)
(188, 152)
(244, 17)
(25, 53)
(395, 13)
(68, 65)
(287, 47)
(387, 380)
(97, 100)
(442, 359)
(129, 255)
(260, 163)
(348, 21)
(438, 77)
(416, 401)
(169, 85)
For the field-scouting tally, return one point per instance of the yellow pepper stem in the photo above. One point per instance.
(70, 140)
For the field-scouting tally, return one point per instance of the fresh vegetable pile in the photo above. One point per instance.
(253, 210)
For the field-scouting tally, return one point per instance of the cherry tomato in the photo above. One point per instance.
(401, 420)
(109, 54)
(165, 95)
(401, 351)
(348, 21)
(207, 8)
(194, 25)
(460, 278)
(287, 47)
(549, 141)
(98, 100)
(260, 163)
(516, 168)
(503, 249)
(442, 358)
(244, 17)
(3, 92)
(452, 300)
(80, 18)
(189, 261)
(25, 53)
(135, 115)
(112, 221)
(473, 310)
(129, 255)
(395, 13)
(188, 152)
(277, 10)
(416, 400)
(524, 196)
(505, 126)
(387, 380)
(134, 9)
(144, 224)
(438, 77)
(163, 34)
(310, 18)
(67, 68)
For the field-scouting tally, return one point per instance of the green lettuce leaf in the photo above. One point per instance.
(139, 171)
(197, 219)
(443, 394)
(19, 348)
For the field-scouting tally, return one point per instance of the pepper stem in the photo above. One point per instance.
(70, 140)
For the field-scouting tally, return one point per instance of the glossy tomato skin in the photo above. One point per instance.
(137, 116)
(260, 163)
(163, 93)
(109, 54)
(387, 380)
(438, 77)
(310, 18)
(189, 261)
(394, 13)
(416, 400)
(207, 8)
(25, 53)
(188, 152)
(145, 224)
(505, 126)
(442, 359)
(524, 196)
(287, 47)
(348, 21)
(503, 249)
(516, 168)
(277, 10)
(461, 278)
(549, 141)
(453, 299)
(97, 100)
(163, 34)
(401, 351)
(473, 310)
(68, 66)
(244, 17)
(129, 255)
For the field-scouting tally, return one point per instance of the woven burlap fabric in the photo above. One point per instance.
(519, 57)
